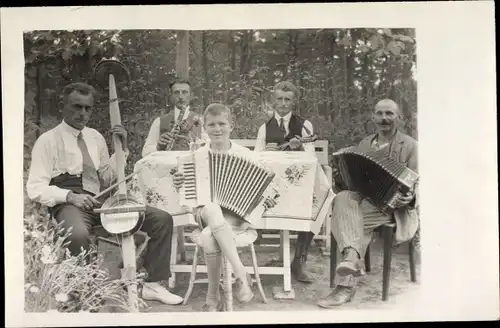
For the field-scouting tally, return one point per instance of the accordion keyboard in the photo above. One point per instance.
(189, 172)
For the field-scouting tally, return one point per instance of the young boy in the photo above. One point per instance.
(220, 228)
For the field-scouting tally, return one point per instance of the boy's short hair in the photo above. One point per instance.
(287, 86)
(217, 109)
(79, 87)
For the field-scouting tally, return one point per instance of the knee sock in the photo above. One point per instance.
(214, 265)
(224, 236)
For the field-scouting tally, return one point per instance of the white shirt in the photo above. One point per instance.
(154, 132)
(235, 148)
(260, 144)
(56, 152)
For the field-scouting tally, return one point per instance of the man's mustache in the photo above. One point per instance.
(385, 122)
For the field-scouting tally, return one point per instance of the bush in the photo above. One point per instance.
(55, 280)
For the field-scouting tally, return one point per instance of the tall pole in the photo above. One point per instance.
(182, 55)
(182, 72)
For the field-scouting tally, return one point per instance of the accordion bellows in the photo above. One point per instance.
(376, 176)
(234, 182)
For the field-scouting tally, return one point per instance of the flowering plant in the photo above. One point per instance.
(57, 281)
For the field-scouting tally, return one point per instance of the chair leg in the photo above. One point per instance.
(411, 251)
(256, 272)
(388, 239)
(192, 278)
(368, 262)
(228, 285)
(182, 246)
(173, 257)
(333, 259)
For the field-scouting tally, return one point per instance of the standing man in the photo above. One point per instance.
(161, 135)
(354, 217)
(285, 127)
(70, 165)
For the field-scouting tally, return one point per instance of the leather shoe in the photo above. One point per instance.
(155, 292)
(349, 265)
(299, 273)
(218, 307)
(243, 292)
(339, 296)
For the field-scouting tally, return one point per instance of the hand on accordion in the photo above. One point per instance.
(269, 203)
(404, 200)
(178, 180)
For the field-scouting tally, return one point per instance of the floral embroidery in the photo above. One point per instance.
(294, 174)
(315, 200)
(153, 197)
(134, 187)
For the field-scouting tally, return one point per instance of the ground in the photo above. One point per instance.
(368, 295)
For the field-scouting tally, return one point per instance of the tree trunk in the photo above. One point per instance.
(38, 98)
(206, 77)
(245, 54)
(182, 55)
(232, 46)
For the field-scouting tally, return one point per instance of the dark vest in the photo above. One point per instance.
(192, 129)
(69, 182)
(274, 134)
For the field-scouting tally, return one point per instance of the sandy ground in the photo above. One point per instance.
(368, 295)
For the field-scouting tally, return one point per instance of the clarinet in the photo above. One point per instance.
(176, 128)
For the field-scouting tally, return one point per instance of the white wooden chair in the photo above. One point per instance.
(321, 147)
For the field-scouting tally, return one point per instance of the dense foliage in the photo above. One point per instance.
(341, 74)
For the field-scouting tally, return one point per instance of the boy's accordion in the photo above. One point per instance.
(236, 183)
(375, 176)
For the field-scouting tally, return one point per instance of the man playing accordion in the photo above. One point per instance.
(354, 217)
(220, 227)
(286, 131)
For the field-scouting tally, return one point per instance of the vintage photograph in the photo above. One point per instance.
(220, 170)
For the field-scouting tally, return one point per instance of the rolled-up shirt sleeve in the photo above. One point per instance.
(260, 142)
(42, 163)
(306, 132)
(152, 138)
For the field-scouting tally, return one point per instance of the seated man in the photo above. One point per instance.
(354, 218)
(70, 164)
(284, 128)
(219, 226)
(161, 133)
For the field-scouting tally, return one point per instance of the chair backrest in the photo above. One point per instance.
(321, 148)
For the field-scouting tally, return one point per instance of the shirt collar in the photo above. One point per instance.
(71, 130)
(177, 111)
(285, 118)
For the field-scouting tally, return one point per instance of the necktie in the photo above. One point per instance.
(90, 179)
(282, 126)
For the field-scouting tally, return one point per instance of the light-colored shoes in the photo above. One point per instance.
(243, 292)
(153, 291)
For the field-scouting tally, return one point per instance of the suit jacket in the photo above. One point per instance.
(404, 149)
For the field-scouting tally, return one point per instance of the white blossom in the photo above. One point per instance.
(62, 297)
(34, 289)
(48, 257)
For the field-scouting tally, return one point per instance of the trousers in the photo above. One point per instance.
(158, 225)
(353, 220)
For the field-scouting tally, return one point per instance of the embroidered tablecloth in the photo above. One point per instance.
(303, 207)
